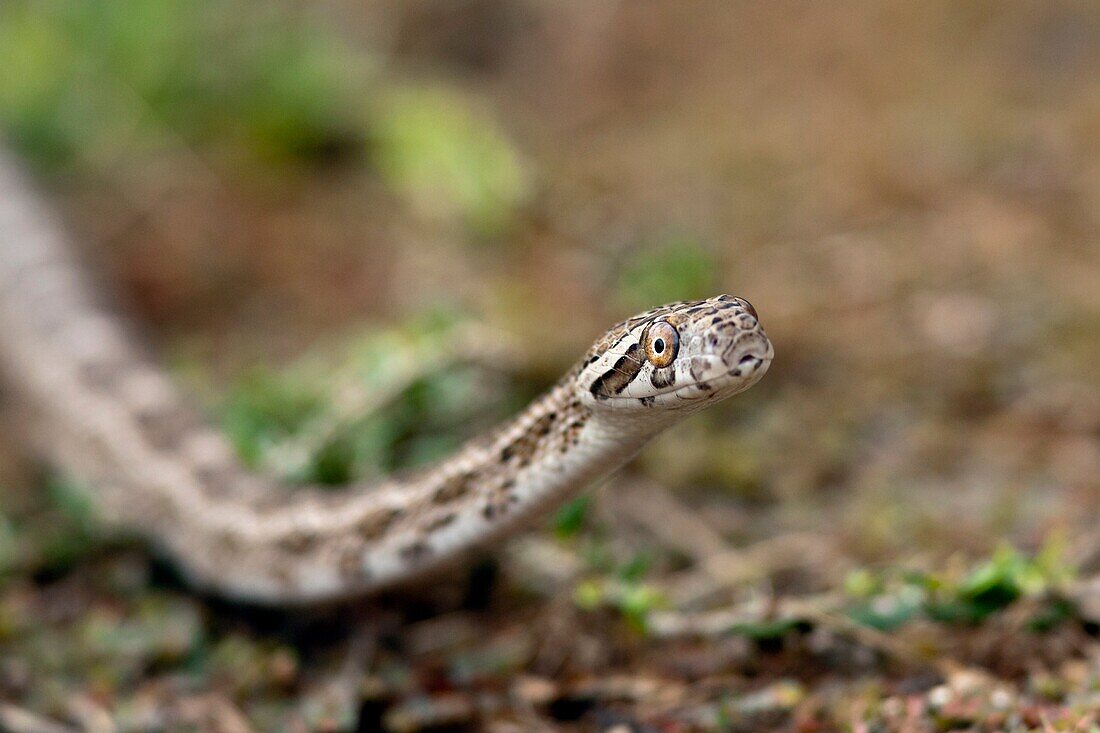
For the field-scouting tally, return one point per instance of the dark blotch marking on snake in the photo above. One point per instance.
(615, 380)
(663, 377)
(696, 368)
(455, 488)
(352, 565)
(103, 375)
(298, 542)
(523, 448)
(440, 522)
(165, 428)
(503, 497)
(375, 524)
(416, 551)
(217, 481)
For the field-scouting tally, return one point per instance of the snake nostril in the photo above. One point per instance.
(747, 358)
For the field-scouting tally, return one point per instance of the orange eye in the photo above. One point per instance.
(661, 342)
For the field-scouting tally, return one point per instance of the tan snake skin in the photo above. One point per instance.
(102, 410)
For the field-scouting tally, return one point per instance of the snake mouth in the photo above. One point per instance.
(750, 364)
(747, 372)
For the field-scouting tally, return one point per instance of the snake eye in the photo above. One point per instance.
(661, 342)
(748, 307)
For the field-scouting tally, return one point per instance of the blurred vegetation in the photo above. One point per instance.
(111, 78)
(449, 159)
(90, 83)
(400, 399)
(885, 603)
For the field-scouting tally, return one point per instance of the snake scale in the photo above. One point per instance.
(93, 403)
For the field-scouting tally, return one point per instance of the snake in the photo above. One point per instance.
(94, 403)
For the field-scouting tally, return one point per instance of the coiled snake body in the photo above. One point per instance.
(101, 409)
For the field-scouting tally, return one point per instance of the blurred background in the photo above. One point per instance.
(439, 204)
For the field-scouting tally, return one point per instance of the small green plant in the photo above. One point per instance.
(1007, 576)
(70, 531)
(887, 601)
(570, 518)
(622, 587)
(634, 601)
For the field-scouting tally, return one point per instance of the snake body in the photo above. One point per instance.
(100, 408)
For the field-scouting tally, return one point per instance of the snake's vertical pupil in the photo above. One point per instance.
(659, 346)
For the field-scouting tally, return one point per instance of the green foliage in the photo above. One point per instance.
(998, 582)
(51, 541)
(119, 75)
(67, 541)
(432, 402)
(885, 602)
(89, 83)
(570, 518)
(678, 268)
(882, 601)
(636, 568)
(622, 588)
(161, 630)
(885, 610)
(74, 501)
(264, 408)
(634, 601)
(449, 158)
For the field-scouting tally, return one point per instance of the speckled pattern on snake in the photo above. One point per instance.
(98, 407)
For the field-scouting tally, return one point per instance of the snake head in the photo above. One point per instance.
(681, 356)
